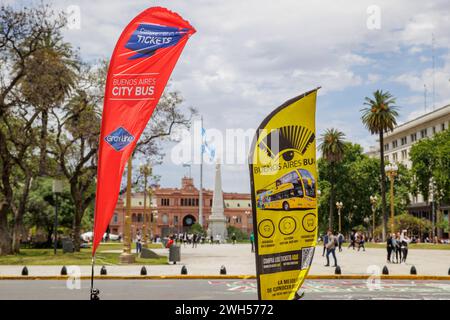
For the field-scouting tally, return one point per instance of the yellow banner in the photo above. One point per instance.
(283, 179)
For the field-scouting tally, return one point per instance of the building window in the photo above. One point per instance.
(238, 204)
(139, 217)
(210, 202)
(423, 133)
(165, 202)
(386, 147)
(165, 219)
(394, 144)
(196, 202)
(413, 137)
(175, 220)
(140, 203)
(404, 141)
(404, 154)
(386, 158)
(394, 156)
(115, 217)
(133, 217)
(434, 130)
(249, 205)
(443, 127)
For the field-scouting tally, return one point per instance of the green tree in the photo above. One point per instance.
(380, 117)
(354, 169)
(40, 212)
(240, 235)
(23, 34)
(197, 228)
(357, 169)
(332, 148)
(431, 168)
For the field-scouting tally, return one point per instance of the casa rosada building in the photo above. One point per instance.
(175, 210)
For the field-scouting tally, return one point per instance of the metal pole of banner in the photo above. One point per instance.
(200, 196)
(94, 292)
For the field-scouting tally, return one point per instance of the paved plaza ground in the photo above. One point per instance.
(220, 290)
(207, 259)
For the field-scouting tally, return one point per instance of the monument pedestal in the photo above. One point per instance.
(217, 224)
(127, 258)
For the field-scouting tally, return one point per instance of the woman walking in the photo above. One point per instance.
(404, 245)
(389, 248)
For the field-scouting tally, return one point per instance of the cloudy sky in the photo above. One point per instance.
(249, 56)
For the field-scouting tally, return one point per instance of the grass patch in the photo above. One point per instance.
(46, 257)
(119, 246)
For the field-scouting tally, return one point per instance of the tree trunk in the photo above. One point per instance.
(20, 212)
(76, 227)
(383, 186)
(7, 191)
(331, 213)
(5, 237)
(78, 214)
(43, 144)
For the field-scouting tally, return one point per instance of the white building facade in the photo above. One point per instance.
(397, 145)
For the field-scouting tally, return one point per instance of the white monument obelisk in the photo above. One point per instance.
(217, 220)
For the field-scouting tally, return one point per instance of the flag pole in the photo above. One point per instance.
(94, 292)
(200, 196)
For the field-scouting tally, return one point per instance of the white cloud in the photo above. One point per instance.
(250, 56)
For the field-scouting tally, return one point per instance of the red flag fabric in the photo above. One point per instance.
(140, 67)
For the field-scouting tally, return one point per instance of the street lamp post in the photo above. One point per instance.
(146, 171)
(126, 256)
(154, 216)
(57, 189)
(391, 171)
(339, 206)
(373, 202)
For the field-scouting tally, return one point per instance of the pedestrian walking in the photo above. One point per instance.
(185, 239)
(194, 240)
(404, 242)
(362, 240)
(352, 240)
(138, 243)
(394, 257)
(340, 241)
(389, 247)
(252, 241)
(233, 238)
(398, 248)
(331, 248)
(211, 239)
(325, 241)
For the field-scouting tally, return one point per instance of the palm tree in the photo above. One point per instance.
(332, 148)
(379, 117)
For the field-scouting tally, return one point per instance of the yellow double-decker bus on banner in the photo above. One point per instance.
(294, 190)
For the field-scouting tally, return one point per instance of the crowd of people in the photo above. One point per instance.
(357, 240)
(397, 247)
(194, 239)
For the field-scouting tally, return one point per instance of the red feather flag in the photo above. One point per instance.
(140, 67)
